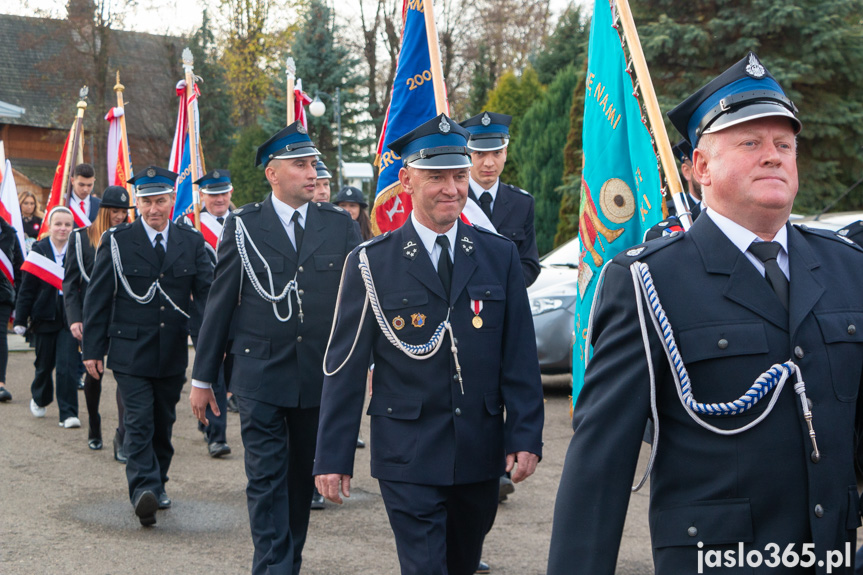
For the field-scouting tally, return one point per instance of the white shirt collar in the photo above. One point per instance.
(743, 238)
(58, 253)
(286, 212)
(478, 189)
(151, 233)
(428, 238)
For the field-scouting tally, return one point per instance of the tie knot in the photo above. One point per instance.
(296, 218)
(485, 198)
(442, 241)
(221, 220)
(765, 251)
(158, 238)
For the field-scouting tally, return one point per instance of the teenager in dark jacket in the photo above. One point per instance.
(11, 255)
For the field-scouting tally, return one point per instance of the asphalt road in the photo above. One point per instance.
(64, 509)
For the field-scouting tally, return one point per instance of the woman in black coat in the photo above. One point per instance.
(10, 248)
(40, 304)
(83, 244)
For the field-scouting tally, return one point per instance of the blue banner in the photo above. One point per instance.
(621, 197)
(184, 203)
(412, 104)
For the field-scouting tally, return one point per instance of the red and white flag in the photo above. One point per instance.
(76, 205)
(211, 229)
(10, 210)
(46, 269)
(301, 100)
(119, 164)
(473, 214)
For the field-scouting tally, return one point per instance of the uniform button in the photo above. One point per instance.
(301, 292)
(389, 410)
(798, 352)
(246, 350)
(692, 531)
(722, 343)
(405, 301)
(162, 308)
(161, 325)
(487, 293)
(852, 329)
(331, 264)
(161, 276)
(300, 269)
(299, 338)
(458, 411)
(819, 511)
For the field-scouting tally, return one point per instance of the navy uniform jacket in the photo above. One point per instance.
(146, 340)
(512, 216)
(423, 430)
(38, 300)
(757, 487)
(274, 362)
(74, 285)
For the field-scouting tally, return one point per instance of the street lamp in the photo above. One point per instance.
(317, 109)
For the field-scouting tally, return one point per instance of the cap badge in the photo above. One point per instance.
(485, 119)
(122, 197)
(444, 126)
(349, 193)
(216, 174)
(754, 67)
(151, 173)
(302, 129)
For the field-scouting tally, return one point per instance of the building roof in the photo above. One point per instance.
(44, 62)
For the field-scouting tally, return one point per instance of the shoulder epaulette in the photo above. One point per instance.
(626, 257)
(184, 226)
(374, 240)
(332, 208)
(486, 231)
(829, 234)
(247, 209)
(120, 228)
(516, 189)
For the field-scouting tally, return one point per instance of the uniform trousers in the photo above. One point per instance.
(439, 529)
(280, 453)
(56, 349)
(151, 409)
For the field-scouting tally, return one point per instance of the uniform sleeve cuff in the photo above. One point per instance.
(201, 384)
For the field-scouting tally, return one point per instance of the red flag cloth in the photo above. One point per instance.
(119, 168)
(57, 185)
(301, 100)
(211, 229)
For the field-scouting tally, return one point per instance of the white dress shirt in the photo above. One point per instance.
(743, 238)
(84, 208)
(286, 212)
(478, 190)
(151, 234)
(429, 240)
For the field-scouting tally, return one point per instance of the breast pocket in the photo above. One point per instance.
(276, 265)
(722, 340)
(514, 234)
(492, 298)
(182, 269)
(843, 336)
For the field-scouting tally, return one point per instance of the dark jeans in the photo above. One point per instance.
(280, 453)
(151, 409)
(92, 395)
(56, 349)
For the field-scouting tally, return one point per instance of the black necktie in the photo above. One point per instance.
(298, 231)
(767, 253)
(221, 220)
(160, 249)
(444, 264)
(485, 204)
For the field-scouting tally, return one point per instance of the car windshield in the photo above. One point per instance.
(565, 255)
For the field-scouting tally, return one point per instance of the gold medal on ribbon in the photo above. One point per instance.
(477, 321)
(476, 307)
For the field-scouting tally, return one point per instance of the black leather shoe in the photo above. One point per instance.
(218, 449)
(145, 508)
(506, 488)
(360, 443)
(164, 501)
(95, 444)
(232, 404)
(119, 454)
(317, 500)
(482, 567)
(4, 394)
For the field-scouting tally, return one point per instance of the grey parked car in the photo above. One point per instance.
(552, 303)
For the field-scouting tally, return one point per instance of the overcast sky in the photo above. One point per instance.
(173, 16)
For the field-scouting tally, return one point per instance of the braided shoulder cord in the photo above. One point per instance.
(80, 257)
(242, 234)
(151, 291)
(774, 378)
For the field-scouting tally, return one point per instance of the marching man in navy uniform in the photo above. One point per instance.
(136, 311)
(274, 293)
(453, 295)
(765, 312)
(216, 190)
(510, 209)
(322, 183)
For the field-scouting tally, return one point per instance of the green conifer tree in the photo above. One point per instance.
(566, 45)
(249, 182)
(538, 152)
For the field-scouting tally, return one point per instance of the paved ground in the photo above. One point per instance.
(64, 509)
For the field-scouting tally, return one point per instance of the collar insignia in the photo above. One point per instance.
(467, 245)
(410, 249)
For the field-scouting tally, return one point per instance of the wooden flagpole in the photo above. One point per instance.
(124, 141)
(434, 57)
(188, 62)
(291, 72)
(75, 150)
(654, 114)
